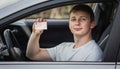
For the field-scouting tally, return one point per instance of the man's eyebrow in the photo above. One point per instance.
(73, 17)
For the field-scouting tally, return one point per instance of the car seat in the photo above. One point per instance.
(103, 43)
(104, 37)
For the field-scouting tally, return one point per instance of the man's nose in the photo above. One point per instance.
(77, 22)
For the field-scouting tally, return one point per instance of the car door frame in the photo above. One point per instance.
(116, 27)
(53, 65)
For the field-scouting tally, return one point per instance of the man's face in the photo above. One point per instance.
(80, 23)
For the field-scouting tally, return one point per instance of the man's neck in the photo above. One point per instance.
(81, 40)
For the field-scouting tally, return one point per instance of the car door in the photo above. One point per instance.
(111, 64)
(117, 21)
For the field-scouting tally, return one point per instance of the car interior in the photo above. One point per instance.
(17, 34)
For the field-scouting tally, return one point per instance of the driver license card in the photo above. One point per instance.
(41, 25)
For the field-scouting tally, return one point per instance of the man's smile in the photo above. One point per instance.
(77, 29)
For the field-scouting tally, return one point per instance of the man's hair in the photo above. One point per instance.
(84, 8)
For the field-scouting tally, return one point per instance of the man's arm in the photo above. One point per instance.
(34, 51)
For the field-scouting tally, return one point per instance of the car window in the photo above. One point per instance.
(57, 19)
(56, 28)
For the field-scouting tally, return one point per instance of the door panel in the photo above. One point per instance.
(57, 65)
(118, 65)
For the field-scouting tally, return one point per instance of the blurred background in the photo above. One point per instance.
(60, 12)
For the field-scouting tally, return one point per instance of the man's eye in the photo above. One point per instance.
(84, 19)
(73, 19)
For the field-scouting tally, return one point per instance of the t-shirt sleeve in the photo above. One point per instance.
(53, 51)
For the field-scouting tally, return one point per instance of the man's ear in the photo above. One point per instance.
(93, 24)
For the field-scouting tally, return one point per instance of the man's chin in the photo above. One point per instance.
(78, 34)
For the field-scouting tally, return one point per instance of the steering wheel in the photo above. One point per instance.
(13, 46)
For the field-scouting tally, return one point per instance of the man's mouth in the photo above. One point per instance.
(77, 29)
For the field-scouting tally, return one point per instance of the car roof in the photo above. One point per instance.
(5, 3)
(18, 6)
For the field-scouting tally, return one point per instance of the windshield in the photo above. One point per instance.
(4, 3)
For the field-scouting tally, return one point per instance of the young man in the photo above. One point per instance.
(84, 48)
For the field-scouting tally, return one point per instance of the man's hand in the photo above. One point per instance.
(35, 25)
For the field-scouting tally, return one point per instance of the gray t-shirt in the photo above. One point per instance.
(65, 52)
